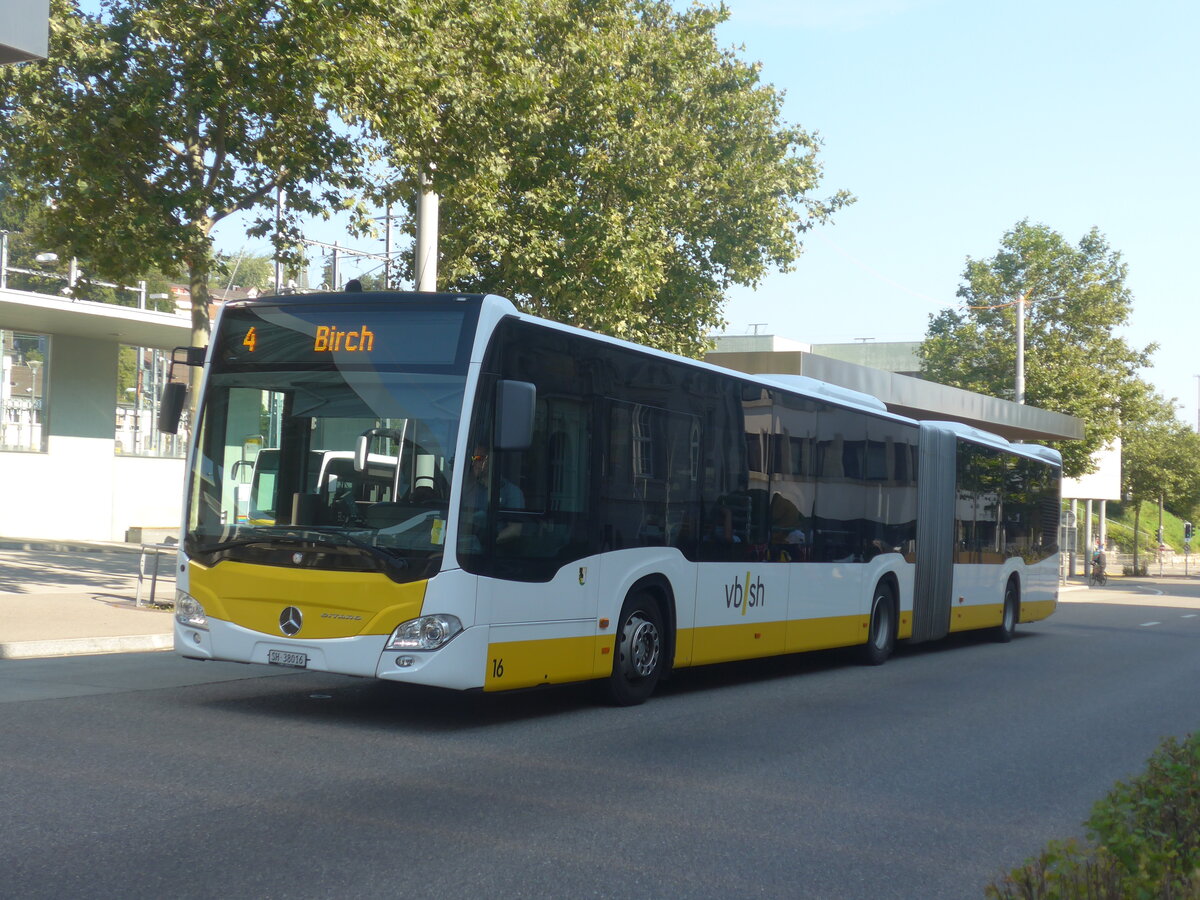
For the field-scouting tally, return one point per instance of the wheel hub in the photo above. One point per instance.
(642, 647)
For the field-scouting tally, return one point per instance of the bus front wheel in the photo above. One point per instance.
(881, 631)
(638, 657)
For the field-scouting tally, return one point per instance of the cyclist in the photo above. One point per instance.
(1099, 561)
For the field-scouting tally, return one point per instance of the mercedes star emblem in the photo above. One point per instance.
(290, 621)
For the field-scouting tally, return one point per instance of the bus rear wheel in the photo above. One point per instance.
(638, 657)
(881, 632)
(1012, 607)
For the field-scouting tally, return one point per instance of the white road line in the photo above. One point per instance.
(1148, 624)
(1190, 616)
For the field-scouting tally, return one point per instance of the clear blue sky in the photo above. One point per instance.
(952, 120)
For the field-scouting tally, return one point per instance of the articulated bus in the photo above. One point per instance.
(465, 496)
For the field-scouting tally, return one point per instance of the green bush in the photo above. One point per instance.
(1144, 841)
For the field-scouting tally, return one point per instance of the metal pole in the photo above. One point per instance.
(387, 249)
(1020, 386)
(1087, 557)
(4, 263)
(427, 236)
(278, 229)
(1159, 536)
(1075, 547)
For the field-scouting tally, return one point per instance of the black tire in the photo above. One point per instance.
(639, 654)
(881, 632)
(1003, 632)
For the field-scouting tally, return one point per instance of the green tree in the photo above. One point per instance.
(244, 271)
(154, 120)
(1075, 300)
(601, 162)
(21, 221)
(1160, 462)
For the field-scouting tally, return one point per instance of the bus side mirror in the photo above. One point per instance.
(516, 402)
(170, 408)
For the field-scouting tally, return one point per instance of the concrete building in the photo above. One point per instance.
(889, 375)
(24, 30)
(76, 461)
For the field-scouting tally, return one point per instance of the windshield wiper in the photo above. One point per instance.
(309, 535)
(378, 552)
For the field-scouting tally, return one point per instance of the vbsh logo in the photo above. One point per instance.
(741, 595)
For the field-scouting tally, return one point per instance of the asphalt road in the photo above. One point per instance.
(146, 775)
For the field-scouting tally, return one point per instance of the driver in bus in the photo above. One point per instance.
(476, 492)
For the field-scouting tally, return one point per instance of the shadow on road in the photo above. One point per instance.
(367, 703)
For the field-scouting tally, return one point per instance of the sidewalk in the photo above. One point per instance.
(66, 598)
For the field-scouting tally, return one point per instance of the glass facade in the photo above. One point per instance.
(141, 374)
(25, 358)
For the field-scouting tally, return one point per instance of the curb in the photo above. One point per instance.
(137, 643)
(57, 546)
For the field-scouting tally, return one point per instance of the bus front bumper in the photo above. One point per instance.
(458, 665)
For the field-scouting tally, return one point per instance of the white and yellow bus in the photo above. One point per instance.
(470, 497)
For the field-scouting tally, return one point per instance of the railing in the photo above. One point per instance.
(72, 276)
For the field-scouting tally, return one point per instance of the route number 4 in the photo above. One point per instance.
(250, 339)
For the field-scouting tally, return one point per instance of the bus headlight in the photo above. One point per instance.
(189, 612)
(425, 633)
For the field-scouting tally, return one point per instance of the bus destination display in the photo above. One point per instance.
(290, 335)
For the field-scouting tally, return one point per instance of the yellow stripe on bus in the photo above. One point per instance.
(1038, 609)
(726, 643)
(519, 664)
(966, 618)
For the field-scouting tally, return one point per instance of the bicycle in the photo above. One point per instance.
(1097, 578)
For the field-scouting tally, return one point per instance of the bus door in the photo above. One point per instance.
(533, 535)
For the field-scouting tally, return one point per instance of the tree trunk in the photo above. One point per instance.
(201, 327)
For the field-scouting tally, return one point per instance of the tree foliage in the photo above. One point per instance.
(1162, 459)
(153, 120)
(601, 162)
(1075, 362)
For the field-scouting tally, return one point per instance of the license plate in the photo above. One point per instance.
(287, 658)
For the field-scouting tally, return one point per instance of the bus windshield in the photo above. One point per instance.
(334, 463)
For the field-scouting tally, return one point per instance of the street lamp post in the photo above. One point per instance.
(1020, 385)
